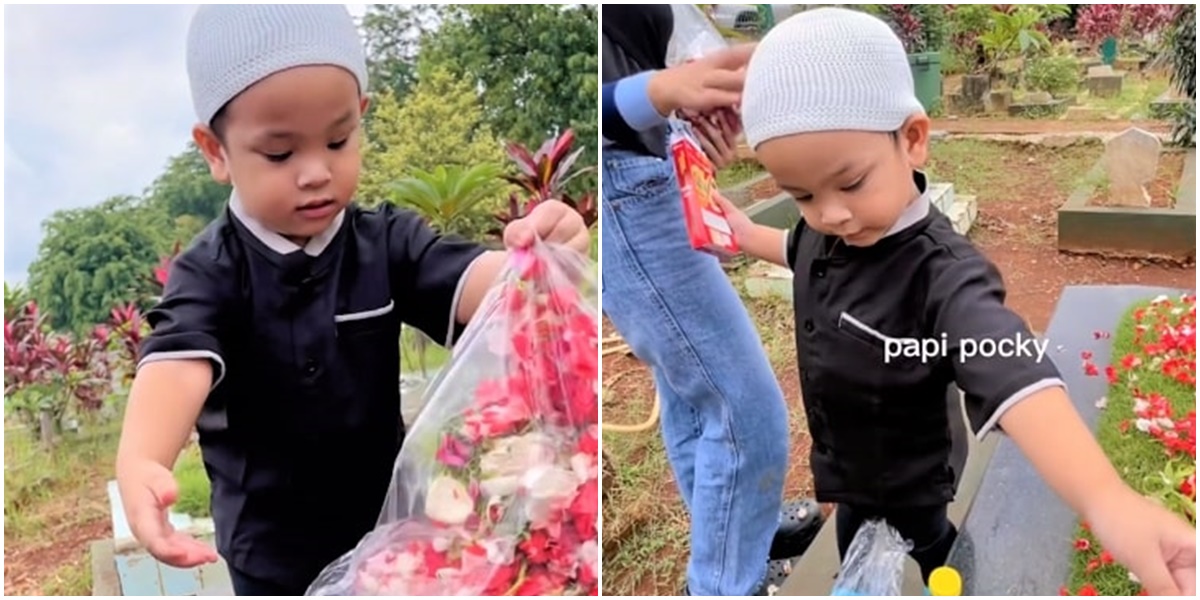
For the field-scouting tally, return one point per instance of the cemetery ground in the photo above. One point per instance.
(1019, 186)
(56, 504)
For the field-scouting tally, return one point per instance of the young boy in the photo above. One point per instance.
(830, 112)
(277, 337)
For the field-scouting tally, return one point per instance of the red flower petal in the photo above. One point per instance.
(1082, 544)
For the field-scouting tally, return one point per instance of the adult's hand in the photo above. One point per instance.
(710, 82)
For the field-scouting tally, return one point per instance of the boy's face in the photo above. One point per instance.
(289, 144)
(852, 184)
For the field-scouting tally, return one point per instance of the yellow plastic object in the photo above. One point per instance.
(945, 581)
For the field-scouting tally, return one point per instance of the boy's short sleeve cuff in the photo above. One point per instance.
(184, 324)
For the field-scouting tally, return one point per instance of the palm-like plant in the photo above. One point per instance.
(447, 195)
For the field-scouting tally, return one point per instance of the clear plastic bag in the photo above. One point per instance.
(495, 489)
(693, 36)
(874, 563)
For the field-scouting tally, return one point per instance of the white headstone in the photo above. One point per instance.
(1131, 160)
(1100, 71)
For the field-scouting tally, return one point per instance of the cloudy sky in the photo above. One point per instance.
(96, 100)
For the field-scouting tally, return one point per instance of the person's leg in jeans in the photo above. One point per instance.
(723, 416)
(927, 527)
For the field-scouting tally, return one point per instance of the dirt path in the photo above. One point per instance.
(1041, 126)
(58, 561)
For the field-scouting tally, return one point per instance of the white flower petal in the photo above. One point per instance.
(1143, 425)
(1159, 299)
(447, 501)
(500, 486)
(1102, 403)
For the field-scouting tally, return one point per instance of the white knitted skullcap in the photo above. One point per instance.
(232, 46)
(827, 69)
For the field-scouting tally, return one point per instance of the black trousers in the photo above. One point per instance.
(249, 585)
(931, 532)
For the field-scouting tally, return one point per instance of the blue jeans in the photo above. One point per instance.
(724, 422)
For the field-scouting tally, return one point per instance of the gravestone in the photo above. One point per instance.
(971, 94)
(1131, 160)
(1037, 104)
(1018, 533)
(1000, 100)
(1104, 82)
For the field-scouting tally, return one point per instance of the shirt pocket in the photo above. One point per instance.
(887, 352)
(367, 321)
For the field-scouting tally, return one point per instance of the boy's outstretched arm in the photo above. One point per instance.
(759, 241)
(1023, 394)
(164, 403)
(1153, 543)
(180, 363)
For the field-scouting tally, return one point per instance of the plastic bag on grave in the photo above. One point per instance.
(874, 563)
(495, 489)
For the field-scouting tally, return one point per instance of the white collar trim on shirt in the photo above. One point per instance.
(315, 246)
(916, 210)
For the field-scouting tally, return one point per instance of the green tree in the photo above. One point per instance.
(394, 33)
(187, 194)
(439, 124)
(535, 64)
(91, 259)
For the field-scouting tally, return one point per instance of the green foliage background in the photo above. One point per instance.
(450, 85)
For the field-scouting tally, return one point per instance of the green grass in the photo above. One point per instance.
(738, 172)
(195, 494)
(1137, 457)
(972, 165)
(36, 477)
(986, 168)
(71, 579)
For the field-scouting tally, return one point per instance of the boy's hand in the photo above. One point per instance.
(1153, 543)
(552, 222)
(718, 134)
(147, 491)
(739, 223)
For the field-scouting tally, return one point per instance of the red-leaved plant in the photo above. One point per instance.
(49, 375)
(1098, 22)
(543, 176)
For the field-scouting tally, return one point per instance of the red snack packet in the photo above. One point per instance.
(707, 226)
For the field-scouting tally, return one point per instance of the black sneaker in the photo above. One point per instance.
(777, 573)
(798, 526)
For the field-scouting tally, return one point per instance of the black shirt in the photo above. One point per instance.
(881, 430)
(302, 426)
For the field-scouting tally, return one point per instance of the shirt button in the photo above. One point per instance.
(820, 273)
(310, 367)
(808, 325)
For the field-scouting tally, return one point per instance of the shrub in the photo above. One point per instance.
(1181, 46)
(1058, 75)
